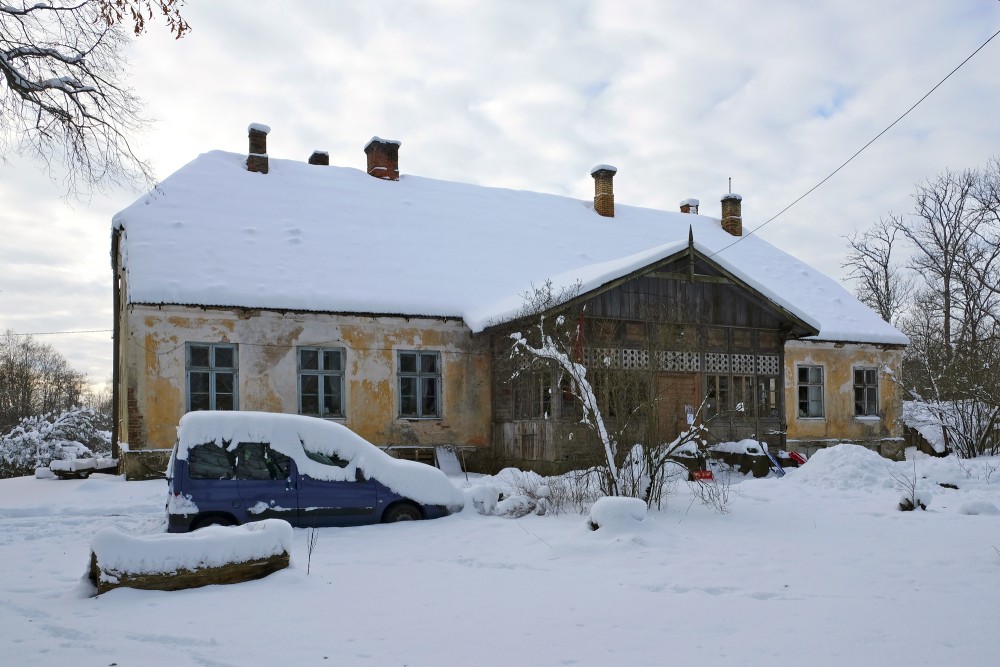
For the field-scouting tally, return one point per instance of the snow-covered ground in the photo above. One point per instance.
(816, 568)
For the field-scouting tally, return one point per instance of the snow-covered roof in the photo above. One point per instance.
(325, 238)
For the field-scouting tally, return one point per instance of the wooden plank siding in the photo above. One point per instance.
(670, 338)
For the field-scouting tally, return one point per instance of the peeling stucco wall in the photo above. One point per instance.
(154, 340)
(839, 423)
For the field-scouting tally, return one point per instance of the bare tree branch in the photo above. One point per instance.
(63, 98)
(881, 282)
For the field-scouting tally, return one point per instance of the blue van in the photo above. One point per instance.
(231, 467)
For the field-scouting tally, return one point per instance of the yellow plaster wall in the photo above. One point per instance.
(154, 367)
(839, 361)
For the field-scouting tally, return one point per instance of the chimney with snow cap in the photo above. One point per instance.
(690, 206)
(257, 160)
(320, 157)
(383, 158)
(604, 190)
(732, 214)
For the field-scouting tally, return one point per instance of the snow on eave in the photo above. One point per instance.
(310, 311)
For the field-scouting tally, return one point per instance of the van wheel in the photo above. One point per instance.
(402, 512)
(213, 521)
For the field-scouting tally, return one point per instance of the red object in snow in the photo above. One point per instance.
(798, 458)
(702, 476)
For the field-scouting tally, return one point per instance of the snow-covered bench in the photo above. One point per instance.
(82, 468)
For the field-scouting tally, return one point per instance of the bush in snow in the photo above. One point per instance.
(484, 498)
(37, 441)
(530, 492)
(912, 496)
(616, 513)
(713, 492)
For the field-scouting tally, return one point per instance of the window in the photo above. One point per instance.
(326, 459)
(865, 392)
(419, 384)
(257, 461)
(810, 391)
(531, 395)
(717, 394)
(209, 461)
(743, 395)
(321, 381)
(211, 371)
(767, 396)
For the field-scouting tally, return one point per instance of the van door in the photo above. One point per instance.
(336, 503)
(265, 480)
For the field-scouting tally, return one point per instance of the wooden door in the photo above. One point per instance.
(677, 396)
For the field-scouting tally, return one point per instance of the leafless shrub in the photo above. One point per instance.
(988, 471)
(907, 483)
(311, 539)
(714, 492)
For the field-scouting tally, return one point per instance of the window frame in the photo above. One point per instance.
(321, 373)
(865, 387)
(213, 371)
(718, 394)
(809, 385)
(420, 377)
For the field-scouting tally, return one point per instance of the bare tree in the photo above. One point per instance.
(34, 379)
(881, 282)
(946, 226)
(63, 98)
(953, 318)
(617, 403)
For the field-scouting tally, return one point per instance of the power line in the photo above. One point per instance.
(61, 333)
(860, 150)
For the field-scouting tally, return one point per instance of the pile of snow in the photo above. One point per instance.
(617, 514)
(213, 546)
(977, 507)
(845, 467)
(483, 497)
(289, 434)
(747, 446)
(919, 416)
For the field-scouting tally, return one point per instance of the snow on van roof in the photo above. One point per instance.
(338, 240)
(291, 434)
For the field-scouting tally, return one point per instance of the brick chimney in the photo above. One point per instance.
(383, 158)
(604, 189)
(320, 157)
(690, 206)
(732, 214)
(257, 160)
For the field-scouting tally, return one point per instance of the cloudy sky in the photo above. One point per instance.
(680, 96)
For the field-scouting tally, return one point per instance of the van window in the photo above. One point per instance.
(210, 461)
(327, 460)
(256, 460)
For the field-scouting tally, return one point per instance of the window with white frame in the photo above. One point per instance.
(866, 392)
(419, 376)
(810, 391)
(211, 376)
(321, 381)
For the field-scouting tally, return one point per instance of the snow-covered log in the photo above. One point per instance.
(171, 562)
